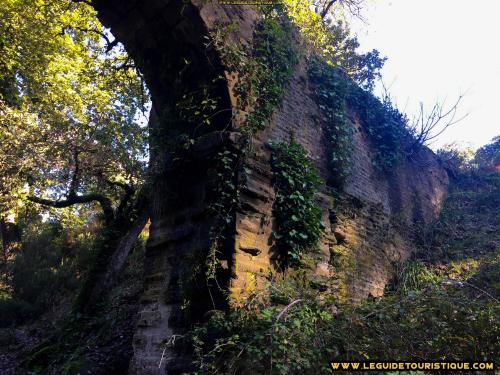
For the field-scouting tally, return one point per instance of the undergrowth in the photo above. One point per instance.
(48, 266)
(469, 221)
(97, 343)
(436, 321)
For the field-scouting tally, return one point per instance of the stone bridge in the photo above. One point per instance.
(167, 40)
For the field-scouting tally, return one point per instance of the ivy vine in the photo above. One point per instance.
(331, 90)
(275, 55)
(205, 271)
(384, 124)
(264, 68)
(198, 107)
(223, 206)
(297, 215)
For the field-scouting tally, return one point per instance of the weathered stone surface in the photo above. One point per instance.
(365, 232)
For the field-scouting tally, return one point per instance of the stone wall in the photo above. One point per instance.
(370, 230)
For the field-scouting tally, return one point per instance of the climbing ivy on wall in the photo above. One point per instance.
(198, 107)
(223, 206)
(264, 68)
(275, 57)
(383, 123)
(297, 215)
(330, 88)
(205, 275)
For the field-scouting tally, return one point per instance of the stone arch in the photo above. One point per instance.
(167, 41)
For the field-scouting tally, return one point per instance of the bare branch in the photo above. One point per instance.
(283, 312)
(352, 6)
(427, 126)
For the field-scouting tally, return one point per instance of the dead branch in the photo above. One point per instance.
(352, 6)
(427, 126)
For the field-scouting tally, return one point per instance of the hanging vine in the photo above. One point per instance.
(331, 90)
(264, 68)
(297, 215)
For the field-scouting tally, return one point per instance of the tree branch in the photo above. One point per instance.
(127, 63)
(426, 127)
(73, 186)
(105, 203)
(129, 193)
(324, 12)
(352, 6)
(128, 188)
(110, 44)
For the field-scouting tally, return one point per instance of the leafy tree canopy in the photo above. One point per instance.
(458, 159)
(488, 156)
(70, 103)
(328, 35)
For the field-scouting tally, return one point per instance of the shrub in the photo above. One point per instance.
(48, 266)
(14, 312)
(298, 332)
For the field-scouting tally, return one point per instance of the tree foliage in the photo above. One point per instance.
(488, 156)
(72, 137)
(331, 39)
(460, 159)
(69, 101)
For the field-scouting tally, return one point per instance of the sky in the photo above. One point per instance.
(438, 50)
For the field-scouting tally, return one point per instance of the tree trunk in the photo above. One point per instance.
(11, 237)
(106, 280)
